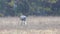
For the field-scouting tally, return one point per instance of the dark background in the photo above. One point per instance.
(30, 7)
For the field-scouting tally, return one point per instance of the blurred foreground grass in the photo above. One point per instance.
(32, 31)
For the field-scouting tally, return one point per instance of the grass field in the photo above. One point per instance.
(35, 25)
(30, 31)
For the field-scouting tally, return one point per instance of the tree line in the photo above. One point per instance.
(30, 7)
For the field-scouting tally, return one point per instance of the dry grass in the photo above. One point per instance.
(32, 22)
(32, 31)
